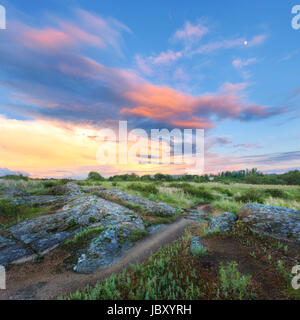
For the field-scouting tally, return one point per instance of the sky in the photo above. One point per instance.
(71, 68)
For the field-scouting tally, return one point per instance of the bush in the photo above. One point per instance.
(55, 183)
(144, 188)
(223, 190)
(15, 177)
(7, 208)
(251, 195)
(95, 176)
(277, 193)
(199, 192)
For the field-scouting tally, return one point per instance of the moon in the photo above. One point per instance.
(245, 42)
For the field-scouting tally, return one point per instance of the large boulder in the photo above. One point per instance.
(145, 205)
(277, 222)
(223, 222)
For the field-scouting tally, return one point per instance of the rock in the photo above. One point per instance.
(5, 242)
(12, 192)
(13, 253)
(37, 201)
(276, 222)
(196, 246)
(143, 204)
(154, 228)
(71, 189)
(44, 232)
(104, 250)
(93, 189)
(196, 215)
(223, 222)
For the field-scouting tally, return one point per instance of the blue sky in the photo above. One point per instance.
(229, 67)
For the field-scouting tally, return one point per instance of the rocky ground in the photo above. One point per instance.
(94, 228)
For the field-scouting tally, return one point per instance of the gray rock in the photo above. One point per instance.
(37, 201)
(45, 232)
(5, 242)
(276, 222)
(13, 253)
(154, 228)
(223, 222)
(93, 189)
(196, 215)
(67, 189)
(104, 250)
(144, 204)
(12, 192)
(51, 241)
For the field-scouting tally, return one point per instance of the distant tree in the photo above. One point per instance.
(95, 176)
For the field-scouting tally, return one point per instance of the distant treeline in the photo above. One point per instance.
(252, 176)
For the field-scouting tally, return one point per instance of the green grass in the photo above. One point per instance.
(12, 214)
(163, 276)
(83, 234)
(137, 234)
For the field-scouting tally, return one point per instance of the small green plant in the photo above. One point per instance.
(233, 284)
(137, 234)
(78, 236)
(199, 251)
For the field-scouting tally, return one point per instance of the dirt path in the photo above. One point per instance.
(42, 281)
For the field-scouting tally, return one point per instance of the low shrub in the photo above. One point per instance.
(251, 195)
(144, 188)
(277, 193)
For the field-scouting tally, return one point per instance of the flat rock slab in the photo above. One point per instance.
(43, 233)
(6, 242)
(13, 253)
(145, 205)
(37, 201)
(12, 192)
(277, 222)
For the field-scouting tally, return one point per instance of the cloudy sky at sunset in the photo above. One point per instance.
(69, 68)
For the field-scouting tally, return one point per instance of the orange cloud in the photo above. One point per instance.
(168, 105)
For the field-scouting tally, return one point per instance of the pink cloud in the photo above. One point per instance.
(257, 40)
(191, 32)
(240, 63)
(48, 38)
(87, 29)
